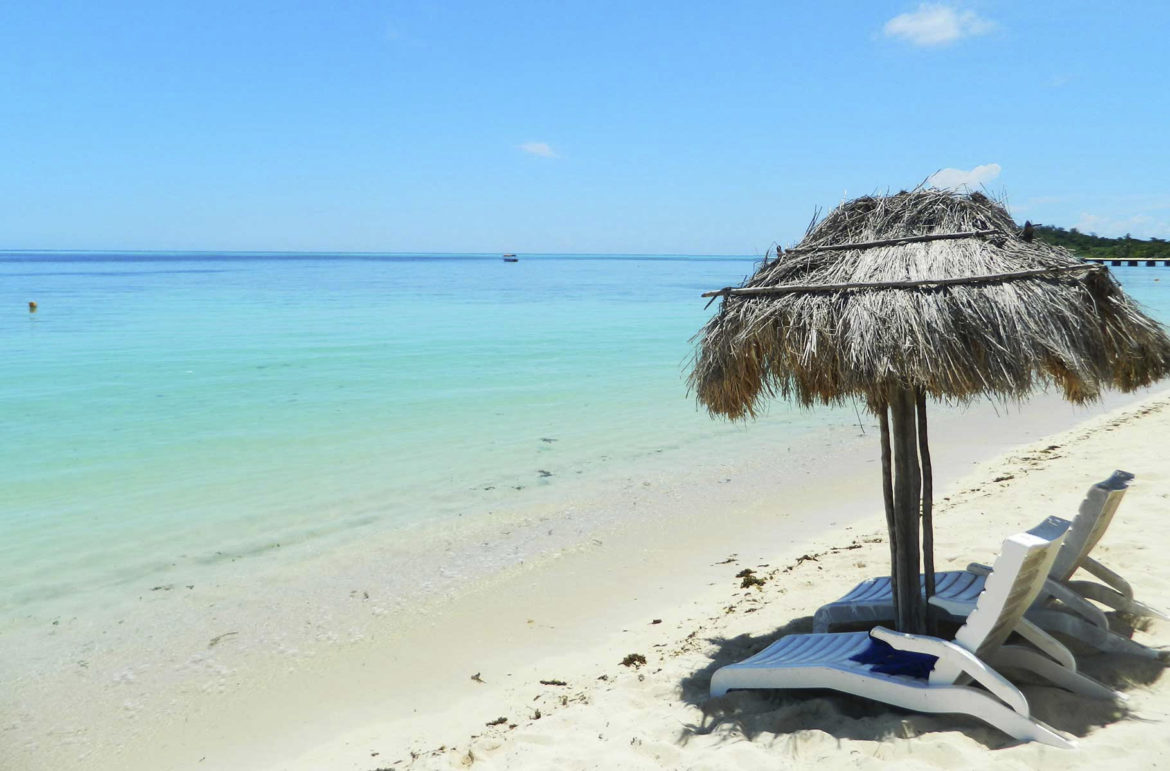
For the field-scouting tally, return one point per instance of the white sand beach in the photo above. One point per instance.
(606, 715)
(524, 670)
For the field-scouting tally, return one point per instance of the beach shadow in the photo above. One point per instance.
(755, 715)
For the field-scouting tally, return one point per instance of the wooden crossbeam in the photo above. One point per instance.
(795, 288)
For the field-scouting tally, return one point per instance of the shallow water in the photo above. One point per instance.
(161, 408)
(179, 409)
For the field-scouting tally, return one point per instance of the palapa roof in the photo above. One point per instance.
(944, 317)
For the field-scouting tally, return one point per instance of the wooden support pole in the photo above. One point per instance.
(888, 496)
(907, 511)
(927, 496)
(903, 605)
(913, 506)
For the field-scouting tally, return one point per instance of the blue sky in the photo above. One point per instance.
(598, 126)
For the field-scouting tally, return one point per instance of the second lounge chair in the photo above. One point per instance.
(872, 602)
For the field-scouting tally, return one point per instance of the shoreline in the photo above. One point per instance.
(404, 678)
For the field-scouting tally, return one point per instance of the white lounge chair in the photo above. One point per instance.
(872, 602)
(926, 673)
(1092, 520)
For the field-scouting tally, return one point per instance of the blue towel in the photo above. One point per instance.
(887, 660)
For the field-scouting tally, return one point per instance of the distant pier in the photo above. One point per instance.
(1163, 261)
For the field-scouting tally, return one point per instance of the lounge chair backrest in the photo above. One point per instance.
(1092, 520)
(1016, 578)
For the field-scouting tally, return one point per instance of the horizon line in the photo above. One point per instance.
(340, 253)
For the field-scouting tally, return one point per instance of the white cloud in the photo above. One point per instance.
(541, 149)
(935, 25)
(953, 179)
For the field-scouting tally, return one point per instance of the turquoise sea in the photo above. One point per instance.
(166, 408)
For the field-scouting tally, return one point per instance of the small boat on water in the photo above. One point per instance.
(511, 258)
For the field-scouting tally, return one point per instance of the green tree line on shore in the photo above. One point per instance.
(1091, 246)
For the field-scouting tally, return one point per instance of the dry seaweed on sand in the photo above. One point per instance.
(634, 660)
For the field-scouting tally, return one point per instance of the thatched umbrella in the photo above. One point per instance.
(891, 299)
